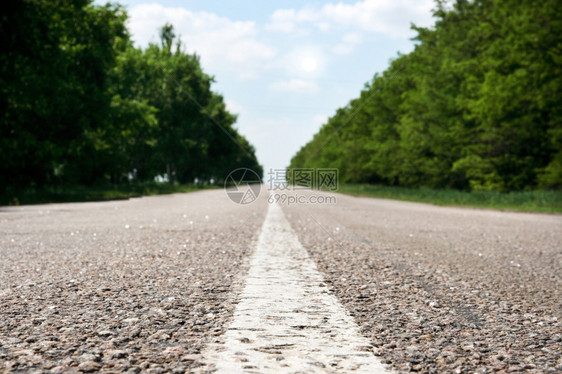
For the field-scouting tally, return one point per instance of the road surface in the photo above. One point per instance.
(175, 283)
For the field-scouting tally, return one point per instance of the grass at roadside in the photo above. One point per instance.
(62, 194)
(527, 201)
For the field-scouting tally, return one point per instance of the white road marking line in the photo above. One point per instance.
(286, 320)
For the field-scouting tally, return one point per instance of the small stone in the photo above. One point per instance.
(159, 336)
(515, 369)
(116, 353)
(68, 361)
(88, 357)
(318, 364)
(191, 357)
(89, 367)
(174, 351)
(23, 352)
(434, 304)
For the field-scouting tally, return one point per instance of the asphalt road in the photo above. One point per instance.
(439, 289)
(147, 284)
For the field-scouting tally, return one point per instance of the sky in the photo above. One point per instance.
(285, 66)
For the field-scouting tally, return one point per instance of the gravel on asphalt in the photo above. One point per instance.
(122, 286)
(441, 289)
(145, 284)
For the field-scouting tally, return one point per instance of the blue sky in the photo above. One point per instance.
(284, 66)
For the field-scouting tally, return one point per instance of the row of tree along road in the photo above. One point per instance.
(477, 105)
(80, 105)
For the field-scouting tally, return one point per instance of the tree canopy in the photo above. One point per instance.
(475, 106)
(81, 105)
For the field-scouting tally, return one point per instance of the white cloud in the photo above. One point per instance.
(390, 17)
(283, 20)
(233, 107)
(319, 120)
(294, 85)
(221, 43)
(348, 43)
(287, 20)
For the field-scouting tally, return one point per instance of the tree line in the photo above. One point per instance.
(477, 105)
(81, 105)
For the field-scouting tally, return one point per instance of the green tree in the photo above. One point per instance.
(476, 105)
(53, 79)
(81, 105)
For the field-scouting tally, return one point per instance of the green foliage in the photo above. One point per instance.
(525, 201)
(475, 106)
(82, 106)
